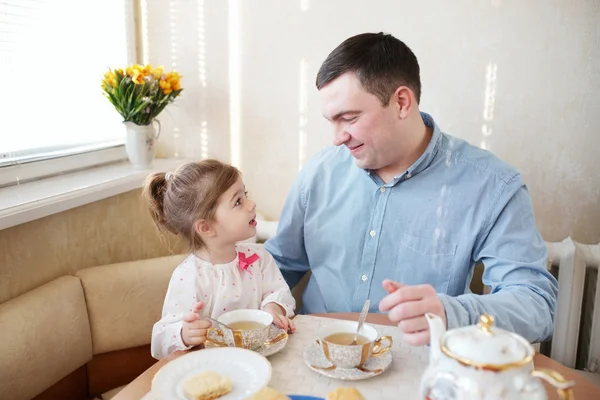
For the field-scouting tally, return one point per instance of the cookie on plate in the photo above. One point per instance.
(207, 385)
(268, 393)
(345, 394)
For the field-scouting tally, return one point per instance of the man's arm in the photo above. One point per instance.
(287, 246)
(523, 296)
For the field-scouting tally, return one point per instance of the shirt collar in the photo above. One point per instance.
(432, 148)
(428, 155)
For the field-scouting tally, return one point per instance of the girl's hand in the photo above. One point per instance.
(194, 330)
(279, 317)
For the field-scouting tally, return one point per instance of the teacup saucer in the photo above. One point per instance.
(315, 359)
(266, 349)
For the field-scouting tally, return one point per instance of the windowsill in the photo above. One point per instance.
(38, 199)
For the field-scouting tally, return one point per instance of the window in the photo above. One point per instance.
(53, 54)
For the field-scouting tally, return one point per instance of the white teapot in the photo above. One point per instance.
(484, 362)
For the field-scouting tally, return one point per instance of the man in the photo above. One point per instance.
(400, 213)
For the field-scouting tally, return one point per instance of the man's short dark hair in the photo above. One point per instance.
(381, 63)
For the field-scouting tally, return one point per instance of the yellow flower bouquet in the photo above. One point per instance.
(140, 93)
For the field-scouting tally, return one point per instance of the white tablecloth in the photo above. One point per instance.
(292, 376)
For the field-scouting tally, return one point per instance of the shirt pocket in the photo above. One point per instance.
(425, 261)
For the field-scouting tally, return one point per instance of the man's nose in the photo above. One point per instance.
(341, 136)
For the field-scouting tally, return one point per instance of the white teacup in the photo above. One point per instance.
(347, 355)
(251, 337)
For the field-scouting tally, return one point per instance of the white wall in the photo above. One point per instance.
(521, 78)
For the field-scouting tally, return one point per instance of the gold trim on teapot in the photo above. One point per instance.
(485, 324)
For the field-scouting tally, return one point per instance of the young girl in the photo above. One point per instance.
(206, 203)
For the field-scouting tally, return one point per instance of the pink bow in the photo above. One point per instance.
(245, 262)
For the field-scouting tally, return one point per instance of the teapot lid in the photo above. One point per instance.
(487, 347)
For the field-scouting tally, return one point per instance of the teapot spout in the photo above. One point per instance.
(436, 330)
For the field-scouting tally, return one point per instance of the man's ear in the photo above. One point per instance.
(402, 100)
(204, 229)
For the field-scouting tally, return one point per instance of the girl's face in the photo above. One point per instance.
(235, 217)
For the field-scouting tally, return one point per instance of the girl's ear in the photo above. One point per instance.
(204, 229)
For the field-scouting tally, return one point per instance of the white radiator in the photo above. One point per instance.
(576, 341)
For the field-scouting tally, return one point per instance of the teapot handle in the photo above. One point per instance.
(563, 387)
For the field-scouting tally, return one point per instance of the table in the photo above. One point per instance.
(409, 362)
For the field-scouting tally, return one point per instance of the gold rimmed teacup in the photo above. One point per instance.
(347, 355)
(251, 339)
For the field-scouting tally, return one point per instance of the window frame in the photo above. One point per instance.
(31, 167)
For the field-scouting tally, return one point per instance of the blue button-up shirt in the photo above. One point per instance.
(456, 206)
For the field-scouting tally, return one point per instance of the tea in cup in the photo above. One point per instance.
(245, 325)
(336, 341)
(250, 329)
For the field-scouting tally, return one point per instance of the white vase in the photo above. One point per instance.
(140, 143)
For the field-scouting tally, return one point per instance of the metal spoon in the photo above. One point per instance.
(220, 323)
(361, 320)
(217, 322)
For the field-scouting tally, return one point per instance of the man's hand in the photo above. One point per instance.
(406, 306)
(279, 317)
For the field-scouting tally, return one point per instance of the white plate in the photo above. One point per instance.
(248, 370)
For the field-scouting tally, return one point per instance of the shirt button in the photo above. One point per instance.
(372, 233)
(364, 278)
(382, 189)
(408, 175)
